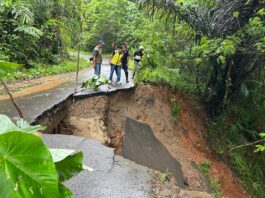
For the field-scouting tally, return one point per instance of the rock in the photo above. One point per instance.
(194, 194)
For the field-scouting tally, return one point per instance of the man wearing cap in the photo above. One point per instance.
(138, 55)
(97, 57)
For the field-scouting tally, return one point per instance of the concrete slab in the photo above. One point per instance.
(141, 146)
(120, 179)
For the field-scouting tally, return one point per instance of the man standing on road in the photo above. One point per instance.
(138, 55)
(114, 48)
(125, 61)
(116, 64)
(97, 57)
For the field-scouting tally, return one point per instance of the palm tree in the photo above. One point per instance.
(216, 19)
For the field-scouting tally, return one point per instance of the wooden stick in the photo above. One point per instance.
(78, 52)
(249, 144)
(12, 98)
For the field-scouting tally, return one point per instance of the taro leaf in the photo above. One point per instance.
(60, 154)
(6, 67)
(26, 167)
(64, 191)
(85, 167)
(25, 126)
(67, 164)
(6, 125)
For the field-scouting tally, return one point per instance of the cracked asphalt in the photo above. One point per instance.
(121, 178)
(35, 104)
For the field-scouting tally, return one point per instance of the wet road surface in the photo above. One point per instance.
(35, 104)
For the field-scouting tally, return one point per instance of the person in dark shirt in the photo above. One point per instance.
(125, 61)
(97, 57)
(138, 55)
(114, 48)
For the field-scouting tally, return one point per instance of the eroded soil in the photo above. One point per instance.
(102, 118)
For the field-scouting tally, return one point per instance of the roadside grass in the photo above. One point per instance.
(167, 77)
(105, 55)
(41, 70)
(214, 183)
(81, 52)
(224, 134)
(175, 109)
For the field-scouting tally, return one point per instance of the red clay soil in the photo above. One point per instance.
(190, 132)
(183, 139)
(197, 147)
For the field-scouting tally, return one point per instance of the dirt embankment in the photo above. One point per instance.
(103, 117)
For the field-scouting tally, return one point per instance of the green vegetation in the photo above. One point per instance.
(28, 167)
(95, 82)
(214, 183)
(204, 168)
(261, 147)
(163, 177)
(220, 63)
(41, 69)
(213, 51)
(230, 130)
(175, 109)
(167, 77)
(105, 20)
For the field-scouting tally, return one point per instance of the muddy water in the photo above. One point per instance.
(103, 118)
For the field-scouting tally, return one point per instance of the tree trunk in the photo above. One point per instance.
(12, 98)
(78, 52)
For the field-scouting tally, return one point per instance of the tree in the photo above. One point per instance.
(222, 28)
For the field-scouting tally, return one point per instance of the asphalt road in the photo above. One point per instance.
(120, 179)
(35, 104)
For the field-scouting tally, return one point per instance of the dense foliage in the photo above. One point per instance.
(31, 32)
(212, 50)
(106, 20)
(215, 51)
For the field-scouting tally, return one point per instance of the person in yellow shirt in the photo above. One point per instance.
(116, 64)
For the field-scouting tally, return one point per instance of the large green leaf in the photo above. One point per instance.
(6, 125)
(67, 163)
(60, 154)
(6, 67)
(64, 191)
(26, 127)
(26, 167)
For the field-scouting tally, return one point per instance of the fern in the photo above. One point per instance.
(30, 30)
